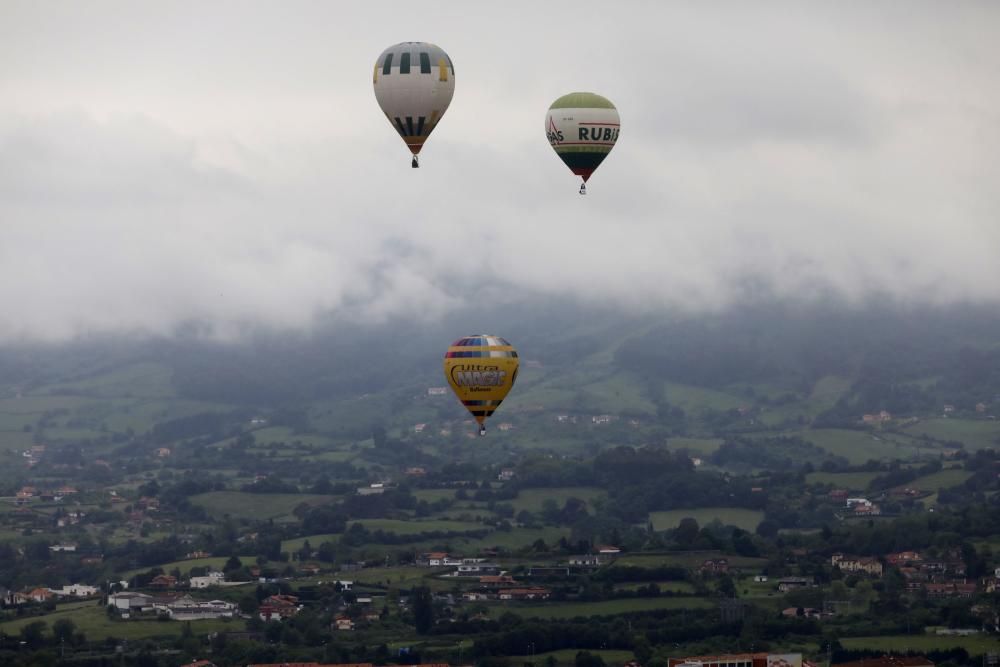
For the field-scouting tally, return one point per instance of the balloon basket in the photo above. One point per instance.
(414, 164)
(583, 188)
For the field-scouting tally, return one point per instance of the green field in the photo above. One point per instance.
(975, 645)
(141, 380)
(241, 505)
(419, 526)
(314, 541)
(940, 480)
(672, 586)
(861, 446)
(91, 619)
(731, 516)
(703, 446)
(433, 495)
(975, 434)
(854, 481)
(687, 559)
(603, 608)
(533, 500)
(213, 562)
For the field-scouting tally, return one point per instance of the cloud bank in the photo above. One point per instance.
(162, 164)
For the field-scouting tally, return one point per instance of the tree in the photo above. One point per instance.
(33, 634)
(423, 609)
(63, 629)
(588, 659)
(687, 531)
(233, 563)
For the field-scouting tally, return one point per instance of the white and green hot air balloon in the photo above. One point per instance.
(414, 83)
(582, 129)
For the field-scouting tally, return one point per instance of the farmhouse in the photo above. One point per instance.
(854, 564)
(741, 660)
(75, 590)
(211, 579)
(524, 594)
(786, 584)
(715, 566)
(187, 608)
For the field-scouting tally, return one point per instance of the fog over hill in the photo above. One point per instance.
(249, 179)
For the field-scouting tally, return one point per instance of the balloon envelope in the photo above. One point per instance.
(481, 371)
(582, 129)
(414, 83)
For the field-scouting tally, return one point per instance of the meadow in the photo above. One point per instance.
(973, 433)
(553, 610)
(854, 481)
(974, 644)
(240, 505)
(91, 618)
(533, 500)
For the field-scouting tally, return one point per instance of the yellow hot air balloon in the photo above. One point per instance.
(481, 370)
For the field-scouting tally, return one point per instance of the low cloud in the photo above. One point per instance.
(794, 153)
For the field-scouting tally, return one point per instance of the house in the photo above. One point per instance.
(601, 419)
(879, 418)
(585, 560)
(129, 602)
(419, 428)
(68, 547)
(342, 623)
(15, 599)
(838, 494)
(741, 660)
(162, 452)
(279, 607)
(760, 579)
(505, 426)
(807, 612)
(506, 474)
(211, 579)
(903, 558)
(197, 554)
(867, 510)
(75, 590)
(163, 581)
(606, 550)
(714, 566)
(186, 608)
(786, 584)
(475, 596)
(980, 407)
(415, 471)
(433, 559)
(524, 594)
(950, 590)
(855, 564)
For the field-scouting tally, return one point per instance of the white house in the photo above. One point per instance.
(211, 579)
(126, 602)
(75, 590)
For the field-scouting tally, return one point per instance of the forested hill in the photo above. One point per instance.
(817, 366)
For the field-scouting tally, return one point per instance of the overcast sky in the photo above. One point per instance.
(227, 161)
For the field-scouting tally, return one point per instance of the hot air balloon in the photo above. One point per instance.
(582, 128)
(414, 83)
(481, 370)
